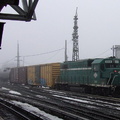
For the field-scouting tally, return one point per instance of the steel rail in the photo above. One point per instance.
(18, 111)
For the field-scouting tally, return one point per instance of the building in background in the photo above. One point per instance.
(117, 51)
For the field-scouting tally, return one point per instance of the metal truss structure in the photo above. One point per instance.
(75, 55)
(24, 13)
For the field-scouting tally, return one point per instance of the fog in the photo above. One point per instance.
(42, 41)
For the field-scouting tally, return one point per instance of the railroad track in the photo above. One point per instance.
(22, 114)
(101, 106)
(68, 108)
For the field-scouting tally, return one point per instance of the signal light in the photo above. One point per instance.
(115, 71)
(1, 32)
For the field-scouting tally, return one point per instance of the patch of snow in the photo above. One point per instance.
(39, 96)
(3, 88)
(26, 87)
(45, 87)
(118, 108)
(35, 110)
(73, 99)
(14, 92)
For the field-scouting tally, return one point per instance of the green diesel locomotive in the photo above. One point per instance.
(97, 76)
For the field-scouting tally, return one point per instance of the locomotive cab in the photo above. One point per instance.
(112, 70)
(106, 71)
(105, 75)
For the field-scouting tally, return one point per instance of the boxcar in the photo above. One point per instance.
(18, 75)
(22, 75)
(13, 75)
(49, 73)
(33, 75)
(43, 75)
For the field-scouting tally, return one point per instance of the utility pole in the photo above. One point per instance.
(113, 48)
(75, 55)
(18, 62)
(18, 57)
(66, 51)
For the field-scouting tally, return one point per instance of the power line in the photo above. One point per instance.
(8, 61)
(52, 56)
(44, 53)
(103, 52)
(35, 55)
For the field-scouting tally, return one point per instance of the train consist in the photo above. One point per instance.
(98, 76)
(36, 75)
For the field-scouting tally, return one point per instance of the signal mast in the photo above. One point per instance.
(75, 55)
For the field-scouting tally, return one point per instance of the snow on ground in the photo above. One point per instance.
(39, 96)
(3, 88)
(26, 87)
(118, 108)
(11, 91)
(73, 99)
(35, 110)
(14, 92)
(78, 100)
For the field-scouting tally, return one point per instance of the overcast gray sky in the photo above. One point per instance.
(98, 22)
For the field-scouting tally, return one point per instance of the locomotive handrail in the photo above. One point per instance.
(109, 78)
(114, 79)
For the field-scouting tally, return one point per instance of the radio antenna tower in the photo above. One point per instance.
(75, 55)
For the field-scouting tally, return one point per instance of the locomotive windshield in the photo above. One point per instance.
(112, 64)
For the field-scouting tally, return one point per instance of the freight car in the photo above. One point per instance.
(36, 75)
(43, 75)
(97, 76)
(18, 75)
(4, 74)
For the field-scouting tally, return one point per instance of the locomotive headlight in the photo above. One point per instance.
(115, 71)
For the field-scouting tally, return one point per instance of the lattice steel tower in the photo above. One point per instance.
(75, 55)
